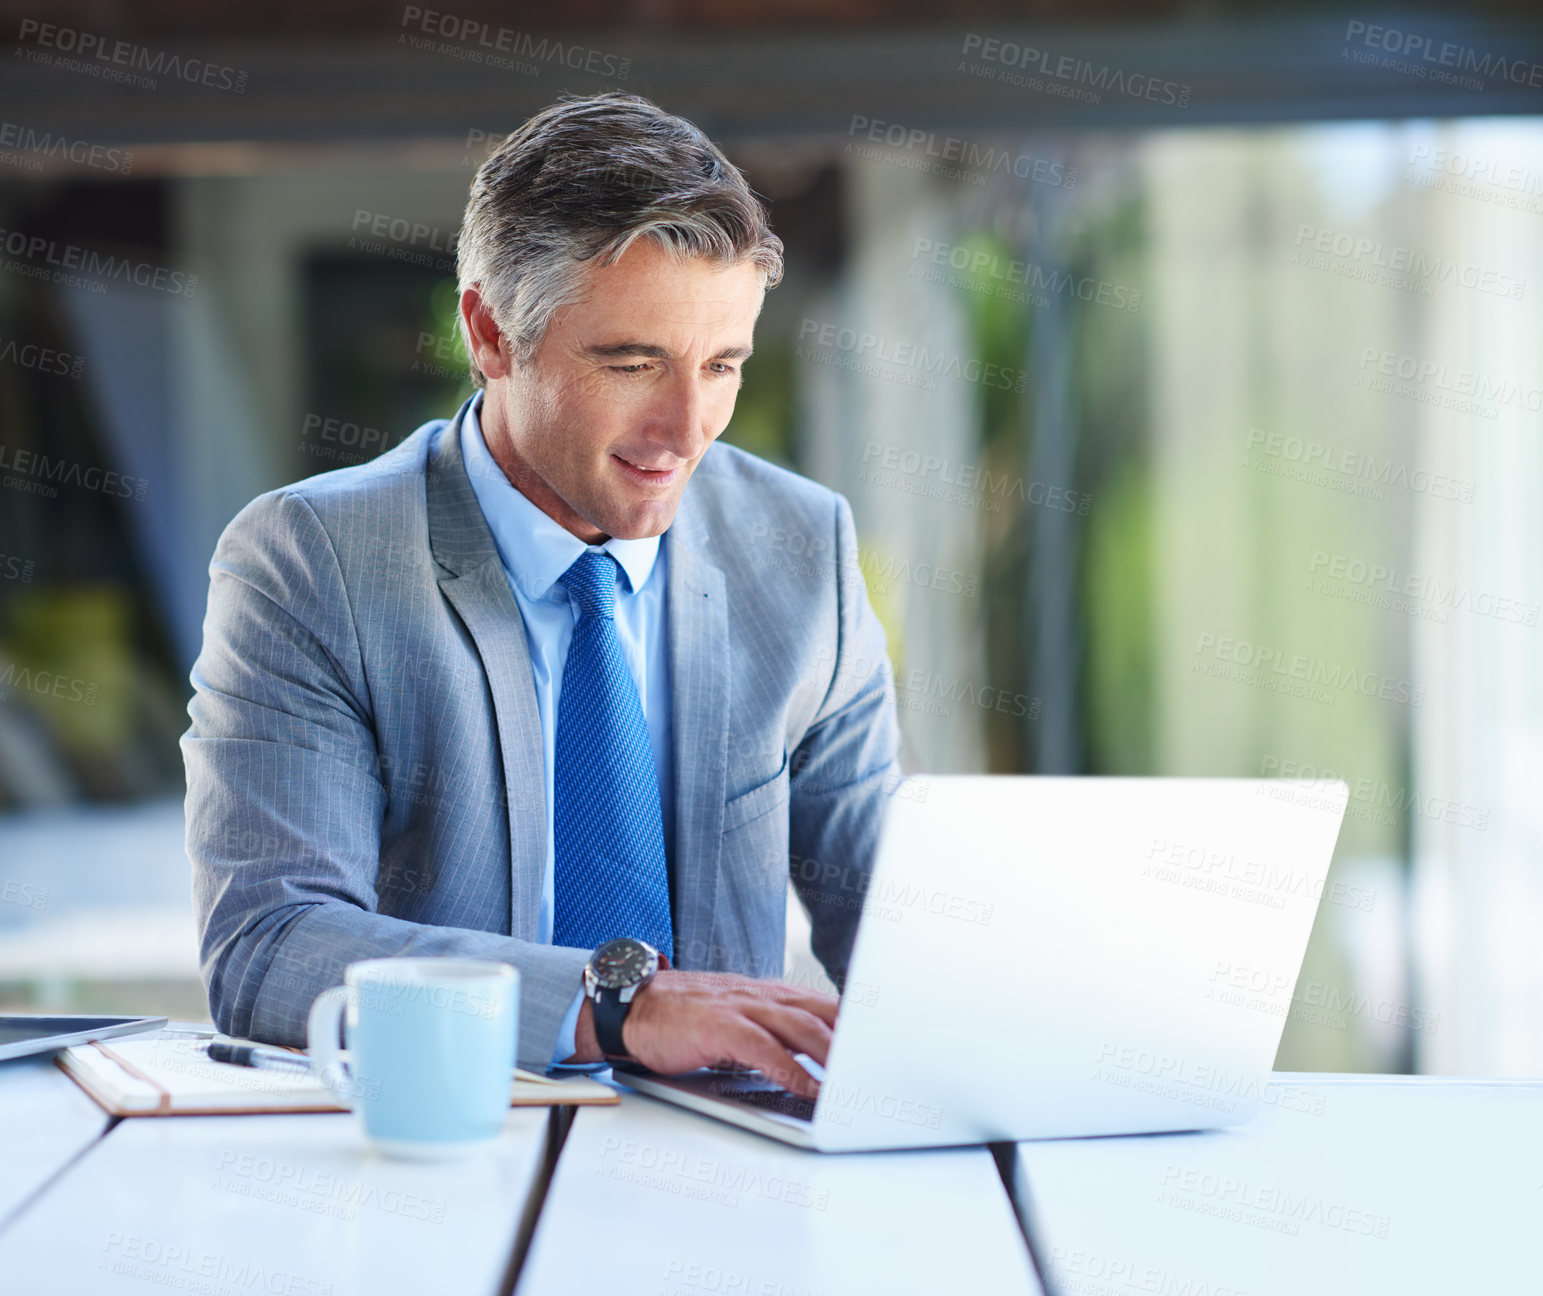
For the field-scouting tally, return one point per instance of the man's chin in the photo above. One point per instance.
(642, 520)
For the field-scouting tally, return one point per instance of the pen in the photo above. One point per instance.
(248, 1055)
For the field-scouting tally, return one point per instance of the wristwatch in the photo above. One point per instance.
(612, 978)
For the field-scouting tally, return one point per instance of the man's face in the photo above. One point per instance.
(604, 426)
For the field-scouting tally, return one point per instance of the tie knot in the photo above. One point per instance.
(591, 583)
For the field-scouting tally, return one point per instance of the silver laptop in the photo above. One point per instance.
(1058, 957)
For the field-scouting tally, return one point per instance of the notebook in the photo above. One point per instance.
(169, 1074)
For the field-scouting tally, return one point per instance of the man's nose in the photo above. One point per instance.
(676, 421)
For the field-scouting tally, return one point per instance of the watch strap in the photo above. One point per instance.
(610, 1013)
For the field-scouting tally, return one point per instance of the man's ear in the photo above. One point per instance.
(484, 339)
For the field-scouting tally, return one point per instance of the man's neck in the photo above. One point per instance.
(525, 479)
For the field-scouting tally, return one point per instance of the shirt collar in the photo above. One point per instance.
(535, 549)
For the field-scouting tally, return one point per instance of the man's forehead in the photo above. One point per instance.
(604, 326)
(655, 304)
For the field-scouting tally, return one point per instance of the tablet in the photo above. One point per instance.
(24, 1033)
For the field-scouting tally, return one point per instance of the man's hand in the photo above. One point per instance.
(683, 1020)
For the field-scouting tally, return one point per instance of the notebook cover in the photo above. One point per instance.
(140, 1081)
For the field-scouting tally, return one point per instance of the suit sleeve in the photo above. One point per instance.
(845, 768)
(285, 799)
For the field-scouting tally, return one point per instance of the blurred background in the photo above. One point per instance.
(1183, 364)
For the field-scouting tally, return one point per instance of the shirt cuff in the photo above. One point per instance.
(570, 1028)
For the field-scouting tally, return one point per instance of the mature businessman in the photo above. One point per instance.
(531, 680)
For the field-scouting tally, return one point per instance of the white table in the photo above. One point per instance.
(45, 1120)
(1347, 1184)
(228, 1205)
(650, 1199)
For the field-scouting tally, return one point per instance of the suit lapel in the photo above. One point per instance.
(479, 591)
(698, 615)
(699, 685)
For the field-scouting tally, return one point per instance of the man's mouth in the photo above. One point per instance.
(642, 473)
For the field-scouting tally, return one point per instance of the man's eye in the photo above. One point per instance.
(629, 369)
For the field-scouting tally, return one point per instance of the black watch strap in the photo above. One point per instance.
(610, 1013)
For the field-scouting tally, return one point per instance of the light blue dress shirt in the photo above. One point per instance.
(535, 552)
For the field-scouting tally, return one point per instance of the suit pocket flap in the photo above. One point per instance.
(760, 800)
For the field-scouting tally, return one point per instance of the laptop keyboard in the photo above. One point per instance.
(736, 1085)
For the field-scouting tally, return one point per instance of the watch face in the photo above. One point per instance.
(620, 963)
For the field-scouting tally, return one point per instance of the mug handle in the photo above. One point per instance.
(321, 1038)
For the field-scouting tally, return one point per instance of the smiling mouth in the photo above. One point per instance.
(647, 474)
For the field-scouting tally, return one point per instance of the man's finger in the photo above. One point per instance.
(753, 1045)
(823, 1006)
(799, 1031)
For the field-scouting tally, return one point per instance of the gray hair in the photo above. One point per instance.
(583, 179)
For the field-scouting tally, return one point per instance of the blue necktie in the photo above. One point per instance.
(609, 876)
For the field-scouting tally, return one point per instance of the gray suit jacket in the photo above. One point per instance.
(364, 771)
